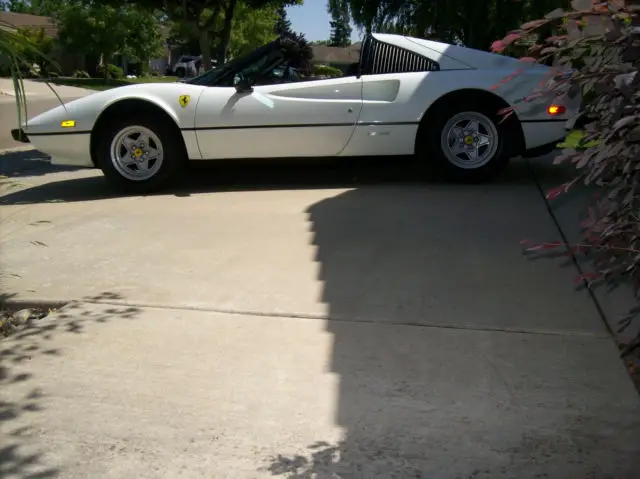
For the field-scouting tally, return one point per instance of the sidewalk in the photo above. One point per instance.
(244, 326)
(37, 90)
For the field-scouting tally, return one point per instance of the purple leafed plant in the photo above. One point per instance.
(596, 46)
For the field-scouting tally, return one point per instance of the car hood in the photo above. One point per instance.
(84, 111)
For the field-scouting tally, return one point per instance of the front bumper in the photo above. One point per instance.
(18, 134)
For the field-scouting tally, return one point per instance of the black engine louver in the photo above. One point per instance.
(382, 58)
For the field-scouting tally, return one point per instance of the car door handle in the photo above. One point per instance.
(350, 110)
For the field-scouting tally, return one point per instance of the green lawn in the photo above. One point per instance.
(101, 84)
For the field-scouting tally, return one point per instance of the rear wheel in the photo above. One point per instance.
(465, 143)
(181, 72)
(138, 155)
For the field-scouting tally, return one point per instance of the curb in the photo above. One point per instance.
(16, 149)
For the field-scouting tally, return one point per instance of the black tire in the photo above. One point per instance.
(181, 72)
(173, 154)
(431, 154)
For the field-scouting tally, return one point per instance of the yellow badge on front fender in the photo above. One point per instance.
(184, 100)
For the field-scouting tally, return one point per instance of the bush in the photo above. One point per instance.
(602, 64)
(326, 71)
(81, 74)
(113, 72)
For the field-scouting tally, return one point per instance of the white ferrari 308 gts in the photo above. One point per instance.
(405, 96)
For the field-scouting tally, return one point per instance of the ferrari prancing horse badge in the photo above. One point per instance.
(184, 100)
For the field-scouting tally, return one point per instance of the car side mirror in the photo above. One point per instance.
(244, 86)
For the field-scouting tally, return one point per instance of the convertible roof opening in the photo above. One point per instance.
(375, 56)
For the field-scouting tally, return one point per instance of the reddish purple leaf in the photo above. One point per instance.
(498, 46)
(533, 24)
(509, 39)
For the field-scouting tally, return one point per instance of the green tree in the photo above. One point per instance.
(210, 21)
(47, 8)
(16, 53)
(340, 27)
(470, 22)
(229, 14)
(37, 46)
(283, 24)
(104, 30)
(252, 28)
(190, 18)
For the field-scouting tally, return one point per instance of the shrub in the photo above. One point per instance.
(326, 71)
(113, 72)
(598, 44)
(81, 74)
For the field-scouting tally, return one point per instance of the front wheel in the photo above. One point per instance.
(138, 155)
(466, 143)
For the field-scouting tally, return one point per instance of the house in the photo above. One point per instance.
(24, 20)
(338, 57)
(70, 62)
(19, 21)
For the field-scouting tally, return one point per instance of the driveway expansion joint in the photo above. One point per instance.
(346, 319)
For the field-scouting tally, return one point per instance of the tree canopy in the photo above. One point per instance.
(469, 22)
(340, 27)
(283, 24)
(210, 21)
(94, 28)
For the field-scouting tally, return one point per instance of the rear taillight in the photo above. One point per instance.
(554, 110)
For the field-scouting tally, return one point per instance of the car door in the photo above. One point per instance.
(389, 118)
(303, 119)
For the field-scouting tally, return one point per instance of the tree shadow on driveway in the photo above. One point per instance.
(21, 399)
(456, 356)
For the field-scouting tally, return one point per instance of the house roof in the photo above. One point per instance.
(327, 54)
(25, 20)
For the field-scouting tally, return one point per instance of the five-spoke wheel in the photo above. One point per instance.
(136, 152)
(140, 154)
(469, 140)
(465, 141)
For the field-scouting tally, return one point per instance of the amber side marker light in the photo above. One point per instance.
(556, 110)
(68, 124)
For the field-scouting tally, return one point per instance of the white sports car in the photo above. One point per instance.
(405, 96)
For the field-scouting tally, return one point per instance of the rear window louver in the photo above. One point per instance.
(383, 58)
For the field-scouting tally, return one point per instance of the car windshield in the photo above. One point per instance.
(282, 61)
(213, 76)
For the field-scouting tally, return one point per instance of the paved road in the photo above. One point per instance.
(270, 319)
(9, 118)
(39, 99)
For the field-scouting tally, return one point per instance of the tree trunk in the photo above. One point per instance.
(105, 67)
(225, 36)
(205, 48)
(203, 30)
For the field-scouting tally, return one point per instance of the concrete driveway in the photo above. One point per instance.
(287, 320)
